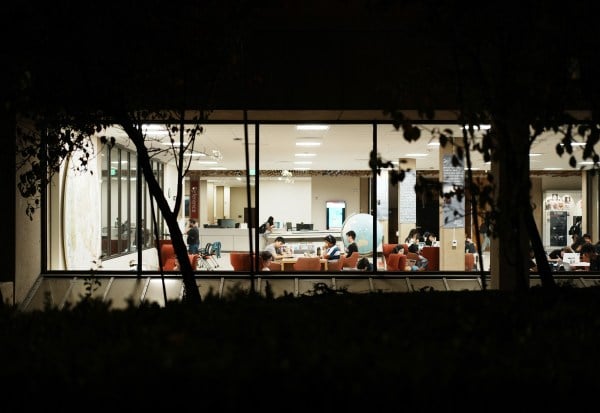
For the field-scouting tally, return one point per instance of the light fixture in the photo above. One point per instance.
(302, 162)
(416, 155)
(207, 162)
(218, 168)
(552, 169)
(308, 142)
(305, 155)
(200, 154)
(176, 144)
(312, 127)
(155, 130)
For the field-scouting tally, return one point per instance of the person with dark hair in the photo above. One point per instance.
(422, 262)
(275, 248)
(193, 237)
(469, 245)
(352, 247)
(430, 238)
(589, 254)
(267, 258)
(364, 264)
(330, 250)
(266, 228)
(577, 242)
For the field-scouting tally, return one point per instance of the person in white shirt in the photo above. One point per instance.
(330, 250)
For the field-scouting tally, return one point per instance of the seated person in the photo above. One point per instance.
(422, 262)
(364, 264)
(352, 247)
(330, 250)
(589, 254)
(398, 249)
(276, 248)
(532, 262)
(469, 246)
(267, 259)
(430, 238)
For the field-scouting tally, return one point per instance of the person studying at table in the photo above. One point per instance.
(330, 250)
(275, 248)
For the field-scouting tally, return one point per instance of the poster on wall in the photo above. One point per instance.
(382, 196)
(194, 199)
(453, 179)
(562, 209)
(408, 199)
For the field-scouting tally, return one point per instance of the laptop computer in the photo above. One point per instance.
(569, 259)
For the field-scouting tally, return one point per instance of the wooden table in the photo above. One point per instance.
(580, 266)
(287, 263)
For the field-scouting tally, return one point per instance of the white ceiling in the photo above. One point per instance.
(343, 147)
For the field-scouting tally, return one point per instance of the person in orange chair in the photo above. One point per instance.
(330, 250)
(422, 262)
(364, 264)
(267, 259)
(352, 247)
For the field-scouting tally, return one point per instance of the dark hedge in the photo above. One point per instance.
(488, 350)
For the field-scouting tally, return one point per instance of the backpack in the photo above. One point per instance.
(263, 228)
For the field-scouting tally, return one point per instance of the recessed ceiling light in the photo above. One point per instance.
(535, 154)
(302, 162)
(176, 144)
(552, 169)
(305, 155)
(312, 127)
(308, 141)
(416, 155)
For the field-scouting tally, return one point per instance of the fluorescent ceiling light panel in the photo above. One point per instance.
(305, 155)
(416, 155)
(302, 162)
(207, 162)
(308, 143)
(535, 154)
(218, 168)
(312, 127)
(552, 169)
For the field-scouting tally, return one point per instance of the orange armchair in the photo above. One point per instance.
(307, 264)
(352, 260)
(240, 261)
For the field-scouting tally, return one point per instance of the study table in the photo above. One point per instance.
(287, 263)
(580, 266)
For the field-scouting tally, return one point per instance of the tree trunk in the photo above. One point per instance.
(515, 225)
(192, 294)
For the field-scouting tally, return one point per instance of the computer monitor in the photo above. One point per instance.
(226, 223)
